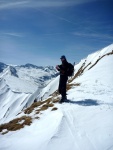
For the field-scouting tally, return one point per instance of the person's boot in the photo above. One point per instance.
(63, 99)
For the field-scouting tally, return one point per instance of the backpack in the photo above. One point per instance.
(70, 71)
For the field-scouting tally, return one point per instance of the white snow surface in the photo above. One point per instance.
(11, 103)
(49, 89)
(85, 122)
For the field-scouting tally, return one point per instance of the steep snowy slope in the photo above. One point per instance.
(84, 122)
(11, 103)
(19, 86)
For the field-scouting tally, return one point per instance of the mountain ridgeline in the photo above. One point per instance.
(28, 74)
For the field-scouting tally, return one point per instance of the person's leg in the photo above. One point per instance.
(63, 87)
(60, 86)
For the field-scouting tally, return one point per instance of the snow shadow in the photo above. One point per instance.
(85, 102)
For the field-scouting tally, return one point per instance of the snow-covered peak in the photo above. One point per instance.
(2, 66)
(12, 71)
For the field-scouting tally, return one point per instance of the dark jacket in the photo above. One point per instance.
(63, 68)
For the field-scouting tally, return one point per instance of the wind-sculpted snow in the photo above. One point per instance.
(10, 103)
(3, 87)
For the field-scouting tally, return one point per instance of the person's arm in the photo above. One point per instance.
(58, 67)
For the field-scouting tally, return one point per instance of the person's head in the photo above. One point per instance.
(63, 58)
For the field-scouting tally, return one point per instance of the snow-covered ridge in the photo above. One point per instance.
(92, 60)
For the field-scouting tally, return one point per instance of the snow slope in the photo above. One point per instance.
(84, 122)
(19, 86)
(11, 103)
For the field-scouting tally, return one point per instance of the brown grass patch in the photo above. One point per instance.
(28, 110)
(56, 100)
(46, 103)
(16, 124)
(53, 109)
(46, 106)
(50, 105)
(69, 86)
(56, 93)
(43, 108)
(31, 108)
(79, 72)
(34, 105)
(37, 111)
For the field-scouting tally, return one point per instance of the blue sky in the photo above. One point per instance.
(40, 31)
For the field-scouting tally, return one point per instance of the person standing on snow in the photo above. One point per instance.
(63, 69)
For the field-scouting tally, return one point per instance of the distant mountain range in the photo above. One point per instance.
(36, 76)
